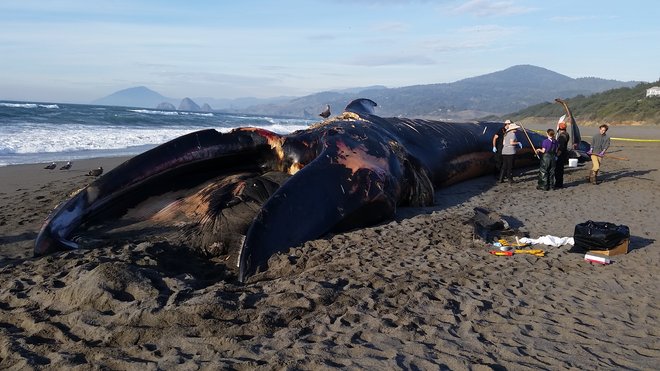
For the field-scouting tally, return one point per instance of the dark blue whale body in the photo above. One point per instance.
(258, 193)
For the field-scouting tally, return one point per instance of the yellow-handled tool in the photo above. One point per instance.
(511, 253)
(507, 243)
(532, 252)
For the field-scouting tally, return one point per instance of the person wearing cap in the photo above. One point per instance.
(498, 140)
(599, 145)
(510, 146)
(562, 154)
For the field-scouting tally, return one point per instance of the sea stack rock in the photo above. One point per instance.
(206, 108)
(187, 104)
(166, 106)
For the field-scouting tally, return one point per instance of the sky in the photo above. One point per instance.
(75, 51)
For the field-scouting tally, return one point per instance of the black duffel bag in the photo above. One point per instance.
(592, 235)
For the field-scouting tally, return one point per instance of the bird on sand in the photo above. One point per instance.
(51, 166)
(95, 172)
(326, 112)
(67, 166)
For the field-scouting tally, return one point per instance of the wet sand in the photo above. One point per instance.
(414, 293)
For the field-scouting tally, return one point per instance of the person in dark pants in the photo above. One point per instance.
(562, 155)
(498, 140)
(548, 152)
(509, 149)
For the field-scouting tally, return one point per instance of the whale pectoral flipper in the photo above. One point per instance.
(337, 191)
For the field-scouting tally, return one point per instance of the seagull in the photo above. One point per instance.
(95, 172)
(326, 112)
(51, 166)
(67, 166)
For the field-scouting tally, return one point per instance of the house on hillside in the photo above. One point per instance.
(653, 91)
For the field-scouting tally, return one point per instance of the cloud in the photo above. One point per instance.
(491, 8)
(211, 78)
(580, 18)
(384, 2)
(469, 38)
(392, 60)
(391, 27)
(215, 84)
(322, 37)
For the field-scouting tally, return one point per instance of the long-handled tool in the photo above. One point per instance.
(511, 253)
(504, 242)
(531, 252)
(616, 158)
(501, 253)
(530, 141)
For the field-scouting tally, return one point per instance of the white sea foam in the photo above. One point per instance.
(152, 112)
(18, 105)
(68, 138)
(203, 114)
(43, 138)
(171, 113)
(73, 132)
(28, 105)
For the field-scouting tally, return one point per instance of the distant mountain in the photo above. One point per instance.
(495, 93)
(144, 97)
(139, 96)
(499, 92)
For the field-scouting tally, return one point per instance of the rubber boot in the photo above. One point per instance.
(592, 177)
(595, 177)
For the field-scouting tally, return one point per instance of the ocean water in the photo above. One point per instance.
(45, 132)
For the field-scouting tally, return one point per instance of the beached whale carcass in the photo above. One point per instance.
(253, 193)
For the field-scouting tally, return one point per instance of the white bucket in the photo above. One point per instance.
(572, 162)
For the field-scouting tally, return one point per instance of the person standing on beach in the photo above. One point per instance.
(599, 145)
(509, 148)
(548, 153)
(562, 155)
(498, 140)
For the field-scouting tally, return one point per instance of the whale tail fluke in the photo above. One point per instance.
(362, 106)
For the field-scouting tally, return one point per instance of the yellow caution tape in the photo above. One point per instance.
(622, 139)
(637, 140)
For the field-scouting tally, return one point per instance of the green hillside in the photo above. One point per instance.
(617, 106)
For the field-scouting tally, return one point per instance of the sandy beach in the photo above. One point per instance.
(418, 292)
